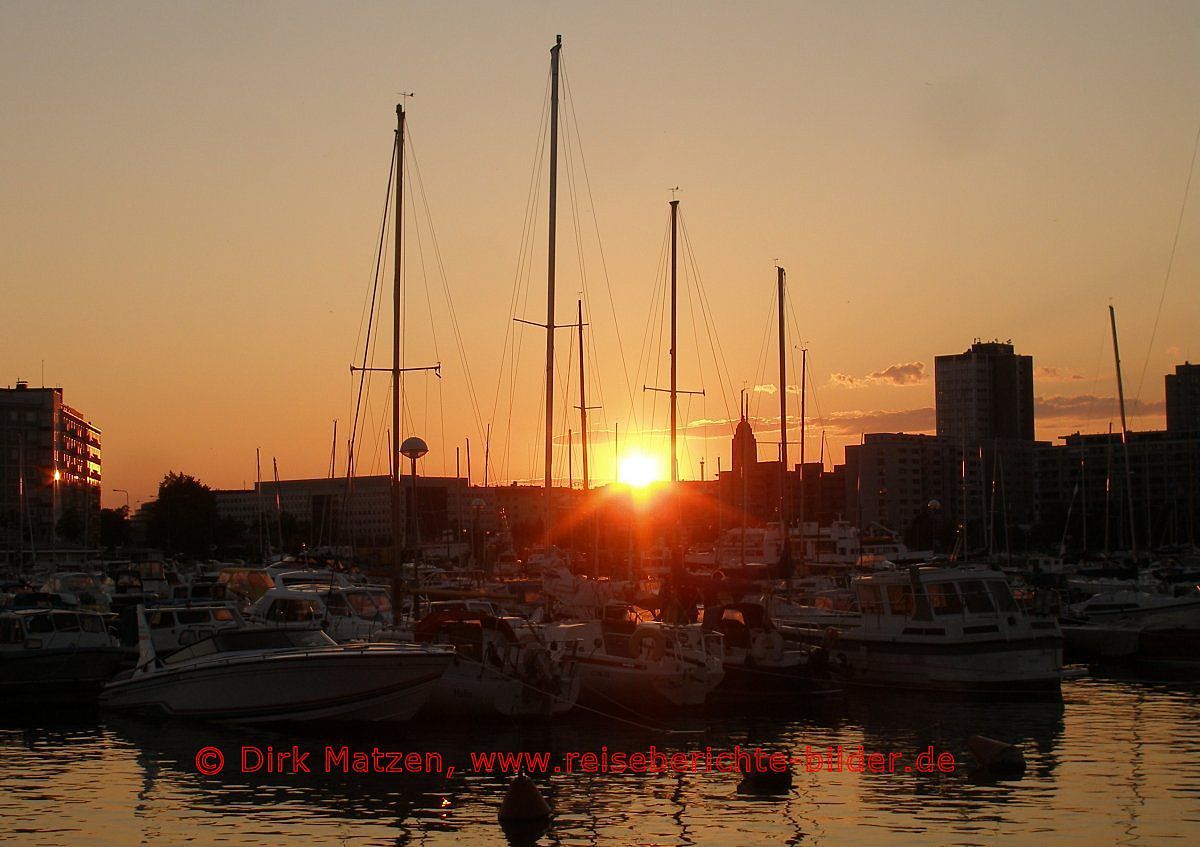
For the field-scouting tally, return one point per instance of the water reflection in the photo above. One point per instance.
(1117, 758)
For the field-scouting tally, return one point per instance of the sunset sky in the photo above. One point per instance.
(192, 196)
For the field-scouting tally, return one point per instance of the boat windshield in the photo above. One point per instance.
(251, 639)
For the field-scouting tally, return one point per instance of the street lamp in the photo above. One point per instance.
(126, 493)
(54, 508)
(412, 449)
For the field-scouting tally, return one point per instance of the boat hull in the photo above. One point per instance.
(636, 686)
(984, 666)
(58, 676)
(471, 689)
(344, 684)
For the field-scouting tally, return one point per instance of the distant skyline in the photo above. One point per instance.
(193, 197)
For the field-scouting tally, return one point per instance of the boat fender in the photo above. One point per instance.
(648, 643)
(776, 639)
(760, 647)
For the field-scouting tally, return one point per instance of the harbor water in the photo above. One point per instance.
(1115, 761)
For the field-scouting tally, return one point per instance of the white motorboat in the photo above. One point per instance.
(946, 628)
(61, 656)
(175, 626)
(265, 675)
(346, 613)
(757, 658)
(626, 659)
(501, 667)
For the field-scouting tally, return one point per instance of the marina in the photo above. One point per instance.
(744, 552)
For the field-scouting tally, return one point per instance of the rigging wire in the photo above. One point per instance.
(1187, 187)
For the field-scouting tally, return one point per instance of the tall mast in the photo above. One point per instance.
(554, 51)
(803, 413)
(674, 387)
(1112, 316)
(583, 407)
(785, 549)
(395, 465)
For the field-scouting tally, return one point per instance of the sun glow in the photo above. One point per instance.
(638, 469)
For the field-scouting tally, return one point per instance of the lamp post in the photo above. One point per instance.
(477, 507)
(412, 449)
(54, 509)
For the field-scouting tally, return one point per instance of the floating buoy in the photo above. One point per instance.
(765, 781)
(523, 803)
(997, 757)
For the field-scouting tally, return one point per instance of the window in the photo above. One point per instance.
(900, 599)
(1002, 596)
(975, 597)
(870, 599)
(66, 622)
(91, 623)
(943, 596)
(40, 624)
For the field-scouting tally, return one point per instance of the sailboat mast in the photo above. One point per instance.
(785, 548)
(674, 313)
(582, 401)
(394, 465)
(803, 418)
(549, 459)
(1112, 316)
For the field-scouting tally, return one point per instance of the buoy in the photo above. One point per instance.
(999, 758)
(523, 803)
(765, 781)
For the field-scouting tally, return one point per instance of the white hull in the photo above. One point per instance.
(338, 684)
(996, 665)
(638, 686)
(470, 689)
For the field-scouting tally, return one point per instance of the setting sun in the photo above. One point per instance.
(638, 469)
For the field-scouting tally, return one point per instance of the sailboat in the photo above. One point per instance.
(621, 658)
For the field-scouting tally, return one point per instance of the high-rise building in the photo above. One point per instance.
(984, 394)
(49, 471)
(1183, 398)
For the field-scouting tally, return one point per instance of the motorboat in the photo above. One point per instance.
(756, 657)
(56, 655)
(173, 627)
(346, 613)
(279, 675)
(945, 628)
(627, 658)
(501, 668)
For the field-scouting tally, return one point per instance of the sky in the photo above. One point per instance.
(192, 196)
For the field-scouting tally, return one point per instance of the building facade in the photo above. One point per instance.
(50, 472)
(1183, 398)
(984, 394)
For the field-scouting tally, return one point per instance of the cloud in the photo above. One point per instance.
(1052, 374)
(771, 388)
(1089, 407)
(854, 421)
(903, 374)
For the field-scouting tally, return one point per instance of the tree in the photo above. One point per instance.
(114, 527)
(184, 518)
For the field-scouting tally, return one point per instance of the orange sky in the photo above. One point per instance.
(192, 200)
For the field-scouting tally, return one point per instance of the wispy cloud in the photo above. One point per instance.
(905, 373)
(1053, 374)
(772, 388)
(854, 421)
(1089, 407)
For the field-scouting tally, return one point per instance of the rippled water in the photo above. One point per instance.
(1115, 762)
